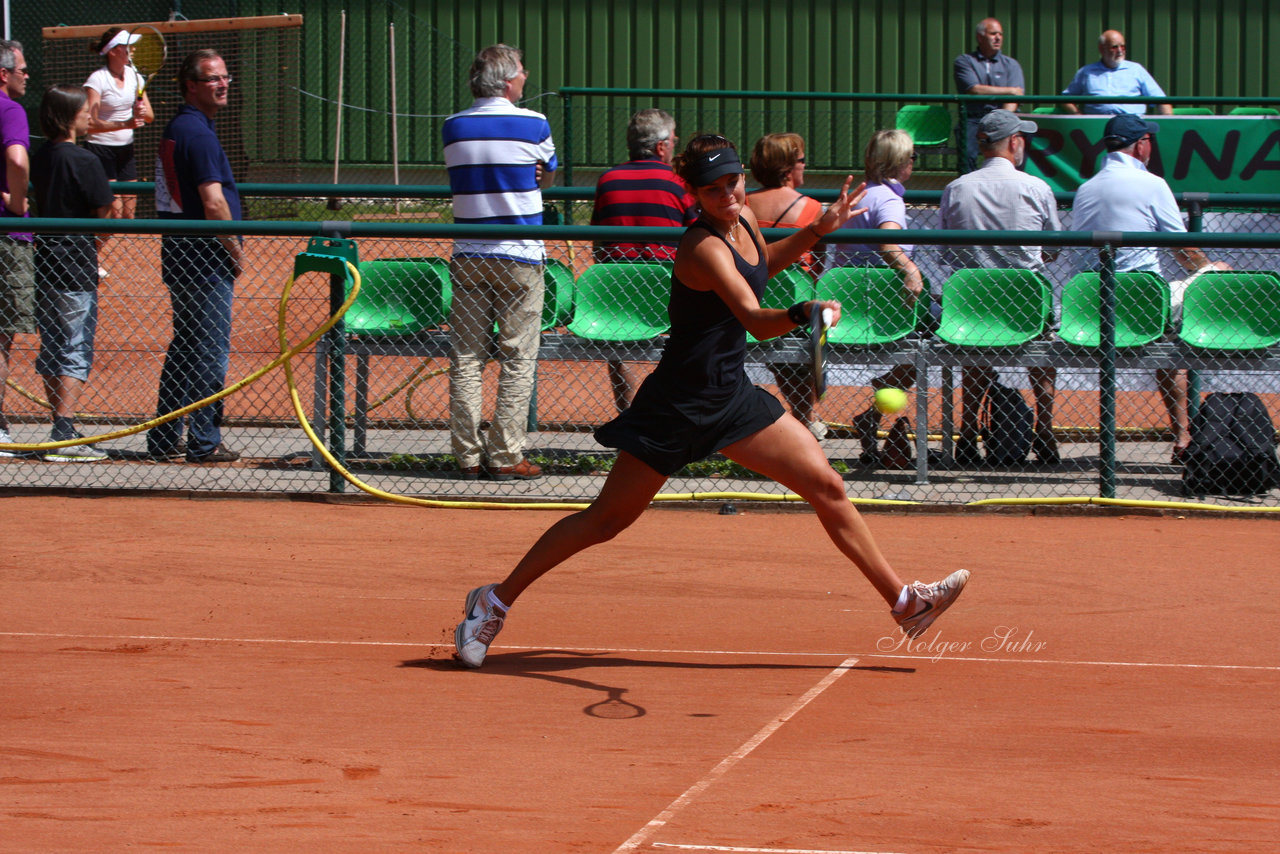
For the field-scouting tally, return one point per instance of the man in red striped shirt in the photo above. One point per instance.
(644, 192)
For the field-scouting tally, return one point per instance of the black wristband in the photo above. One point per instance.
(799, 314)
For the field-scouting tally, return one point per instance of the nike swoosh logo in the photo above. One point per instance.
(712, 157)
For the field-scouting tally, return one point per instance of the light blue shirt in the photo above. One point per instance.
(1124, 196)
(1127, 80)
(884, 204)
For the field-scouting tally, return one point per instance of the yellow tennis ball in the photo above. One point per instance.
(890, 400)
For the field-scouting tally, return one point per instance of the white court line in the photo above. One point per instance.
(740, 653)
(741, 850)
(643, 834)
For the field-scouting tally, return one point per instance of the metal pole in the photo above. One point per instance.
(334, 203)
(395, 130)
(1195, 223)
(336, 344)
(568, 142)
(1107, 375)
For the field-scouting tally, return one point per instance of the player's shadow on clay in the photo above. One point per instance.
(535, 665)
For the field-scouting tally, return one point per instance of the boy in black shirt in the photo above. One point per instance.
(68, 182)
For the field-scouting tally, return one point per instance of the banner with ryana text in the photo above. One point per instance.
(1202, 154)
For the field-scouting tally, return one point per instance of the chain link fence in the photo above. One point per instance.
(395, 394)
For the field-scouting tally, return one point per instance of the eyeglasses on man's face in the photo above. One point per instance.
(216, 78)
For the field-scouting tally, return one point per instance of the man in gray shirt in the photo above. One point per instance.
(984, 71)
(998, 197)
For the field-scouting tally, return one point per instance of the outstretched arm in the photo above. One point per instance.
(785, 252)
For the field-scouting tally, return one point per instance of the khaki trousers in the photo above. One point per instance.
(489, 291)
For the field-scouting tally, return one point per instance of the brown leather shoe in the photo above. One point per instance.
(469, 472)
(220, 454)
(523, 470)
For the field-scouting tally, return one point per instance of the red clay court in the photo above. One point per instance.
(274, 675)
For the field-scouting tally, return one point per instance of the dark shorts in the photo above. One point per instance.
(667, 432)
(118, 160)
(17, 287)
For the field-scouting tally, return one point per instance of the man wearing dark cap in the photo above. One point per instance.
(998, 197)
(1124, 196)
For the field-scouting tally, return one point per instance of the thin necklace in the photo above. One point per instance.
(732, 234)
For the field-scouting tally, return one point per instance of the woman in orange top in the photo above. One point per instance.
(777, 162)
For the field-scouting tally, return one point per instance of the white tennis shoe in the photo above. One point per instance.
(928, 601)
(478, 628)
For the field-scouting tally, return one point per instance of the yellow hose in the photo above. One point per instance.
(1122, 502)
(285, 359)
(282, 359)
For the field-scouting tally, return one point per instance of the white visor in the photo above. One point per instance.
(122, 37)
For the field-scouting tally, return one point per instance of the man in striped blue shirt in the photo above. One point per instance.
(499, 158)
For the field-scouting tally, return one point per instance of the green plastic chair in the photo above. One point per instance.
(557, 304)
(1045, 111)
(1254, 111)
(1232, 310)
(1193, 111)
(790, 286)
(1142, 309)
(994, 308)
(621, 302)
(874, 307)
(927, 124)
(400, 296)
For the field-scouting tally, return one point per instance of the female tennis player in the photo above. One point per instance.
(698, 401)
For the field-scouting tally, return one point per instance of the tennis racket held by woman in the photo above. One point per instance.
(147, 55)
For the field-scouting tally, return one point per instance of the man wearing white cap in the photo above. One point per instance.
(998, 197)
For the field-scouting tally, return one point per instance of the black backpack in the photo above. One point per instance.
(1233, 447)
(1007, 424)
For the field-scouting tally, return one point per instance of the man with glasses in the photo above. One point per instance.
(986, 70)
(17, 261)
(1124, 196)
(998, 197)
(1112, 74)
(644, 192)
(499, 158)
(194, 181)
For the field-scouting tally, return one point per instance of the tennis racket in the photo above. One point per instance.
(147, 55)
(819, 320)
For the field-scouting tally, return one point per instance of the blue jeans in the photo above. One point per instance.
(195, 365)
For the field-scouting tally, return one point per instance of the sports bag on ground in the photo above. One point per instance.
(1233, 447)
(1007, 425)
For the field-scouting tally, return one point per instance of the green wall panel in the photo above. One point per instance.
(1193, 47)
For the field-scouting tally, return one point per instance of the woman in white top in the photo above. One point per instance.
(115, 112)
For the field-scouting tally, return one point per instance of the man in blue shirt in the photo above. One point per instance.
(194, 181)
(499, 157)
(1112, 74)
(1124, 196)
(985, 71)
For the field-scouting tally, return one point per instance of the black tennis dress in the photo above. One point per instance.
(698, 400)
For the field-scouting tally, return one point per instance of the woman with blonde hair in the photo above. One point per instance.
(889, 159)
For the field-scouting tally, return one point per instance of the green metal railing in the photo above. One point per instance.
(718, 98)
(1107, 242)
